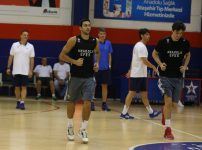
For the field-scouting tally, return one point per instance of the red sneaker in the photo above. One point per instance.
(168, 134)
(162, 117)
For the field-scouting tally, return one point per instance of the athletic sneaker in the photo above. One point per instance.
(180, 104)
(38, 97)
(162, 117)
(126, 116)
(92, 107)
(154, 114)
(18, 105)
(83, 135)
(54, 98)
(105, 108)
(168, 134)
(70, 133)
(22, 106)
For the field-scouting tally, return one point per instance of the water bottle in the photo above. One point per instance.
(148, 73)
(153, 73)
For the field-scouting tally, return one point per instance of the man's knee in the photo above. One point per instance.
(39, 82)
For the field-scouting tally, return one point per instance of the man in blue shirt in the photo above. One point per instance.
(103, 76)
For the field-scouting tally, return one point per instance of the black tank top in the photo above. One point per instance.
(83, 49)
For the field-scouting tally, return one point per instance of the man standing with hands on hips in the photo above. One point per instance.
(22, 54)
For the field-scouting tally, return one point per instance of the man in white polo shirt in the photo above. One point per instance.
(61, 73)
(22, 54)
(44, 77)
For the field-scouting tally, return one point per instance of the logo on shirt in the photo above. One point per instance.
(78, 40)
(174, 53)
(85, 53)
(168, 40)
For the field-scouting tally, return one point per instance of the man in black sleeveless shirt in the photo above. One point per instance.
(82, 83)
(173, 49)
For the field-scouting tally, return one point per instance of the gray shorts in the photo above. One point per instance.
(171, 87)
(80, 88)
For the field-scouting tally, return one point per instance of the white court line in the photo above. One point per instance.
(132, 148)
(172, 128)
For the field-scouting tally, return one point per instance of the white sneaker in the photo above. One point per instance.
(180, 104)
(70, 133)
(83, 135)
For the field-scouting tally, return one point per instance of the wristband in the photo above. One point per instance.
(109, 66)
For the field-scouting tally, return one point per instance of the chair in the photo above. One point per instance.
(7, 81)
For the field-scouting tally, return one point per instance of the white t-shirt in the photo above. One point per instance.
(139, 69)
(21, 60)
(43, 71)
(61, 70)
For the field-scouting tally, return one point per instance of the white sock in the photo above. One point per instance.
(70, 122)
(84, 124)
(22, 102)
(39, 94)
(125, 109)
(167, 123)
(19, 100)
(53, 94)
(150, 110)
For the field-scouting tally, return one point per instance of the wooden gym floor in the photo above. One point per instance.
(43, 126)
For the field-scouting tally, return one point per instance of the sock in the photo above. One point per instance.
(150, 110)
(70, 122)
(19, 100)
(103, 103)
(22, 102)
(84, 124)
(39, 94)
(53, 95)
(167, 123)
(125, 109)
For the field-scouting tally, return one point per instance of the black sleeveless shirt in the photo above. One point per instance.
(83, 49)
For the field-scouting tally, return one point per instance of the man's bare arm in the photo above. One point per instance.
(10, 60)
(66, 49)
(187, 59)
(97, 52)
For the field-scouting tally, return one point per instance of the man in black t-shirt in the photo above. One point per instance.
(171, 67)
(82, 83)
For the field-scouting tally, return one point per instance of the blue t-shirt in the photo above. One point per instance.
(105, 49)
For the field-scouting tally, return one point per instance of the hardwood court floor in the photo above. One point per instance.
(43, 125)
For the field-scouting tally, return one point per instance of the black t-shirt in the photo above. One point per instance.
(172, 53)
(83, 49)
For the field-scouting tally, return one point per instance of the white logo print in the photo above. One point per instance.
(168, 40)
(191, 88)
(78, 40)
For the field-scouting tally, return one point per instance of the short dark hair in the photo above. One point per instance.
(101, 30)
(142, 32)
(24, 31)
(178, 25)
(83, 20)
(43, 57)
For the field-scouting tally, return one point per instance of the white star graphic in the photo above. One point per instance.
(191, 88)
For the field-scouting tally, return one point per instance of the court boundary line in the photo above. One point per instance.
(35, 112)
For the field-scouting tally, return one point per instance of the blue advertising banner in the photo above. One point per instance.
(144, 10)
(191, 91)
